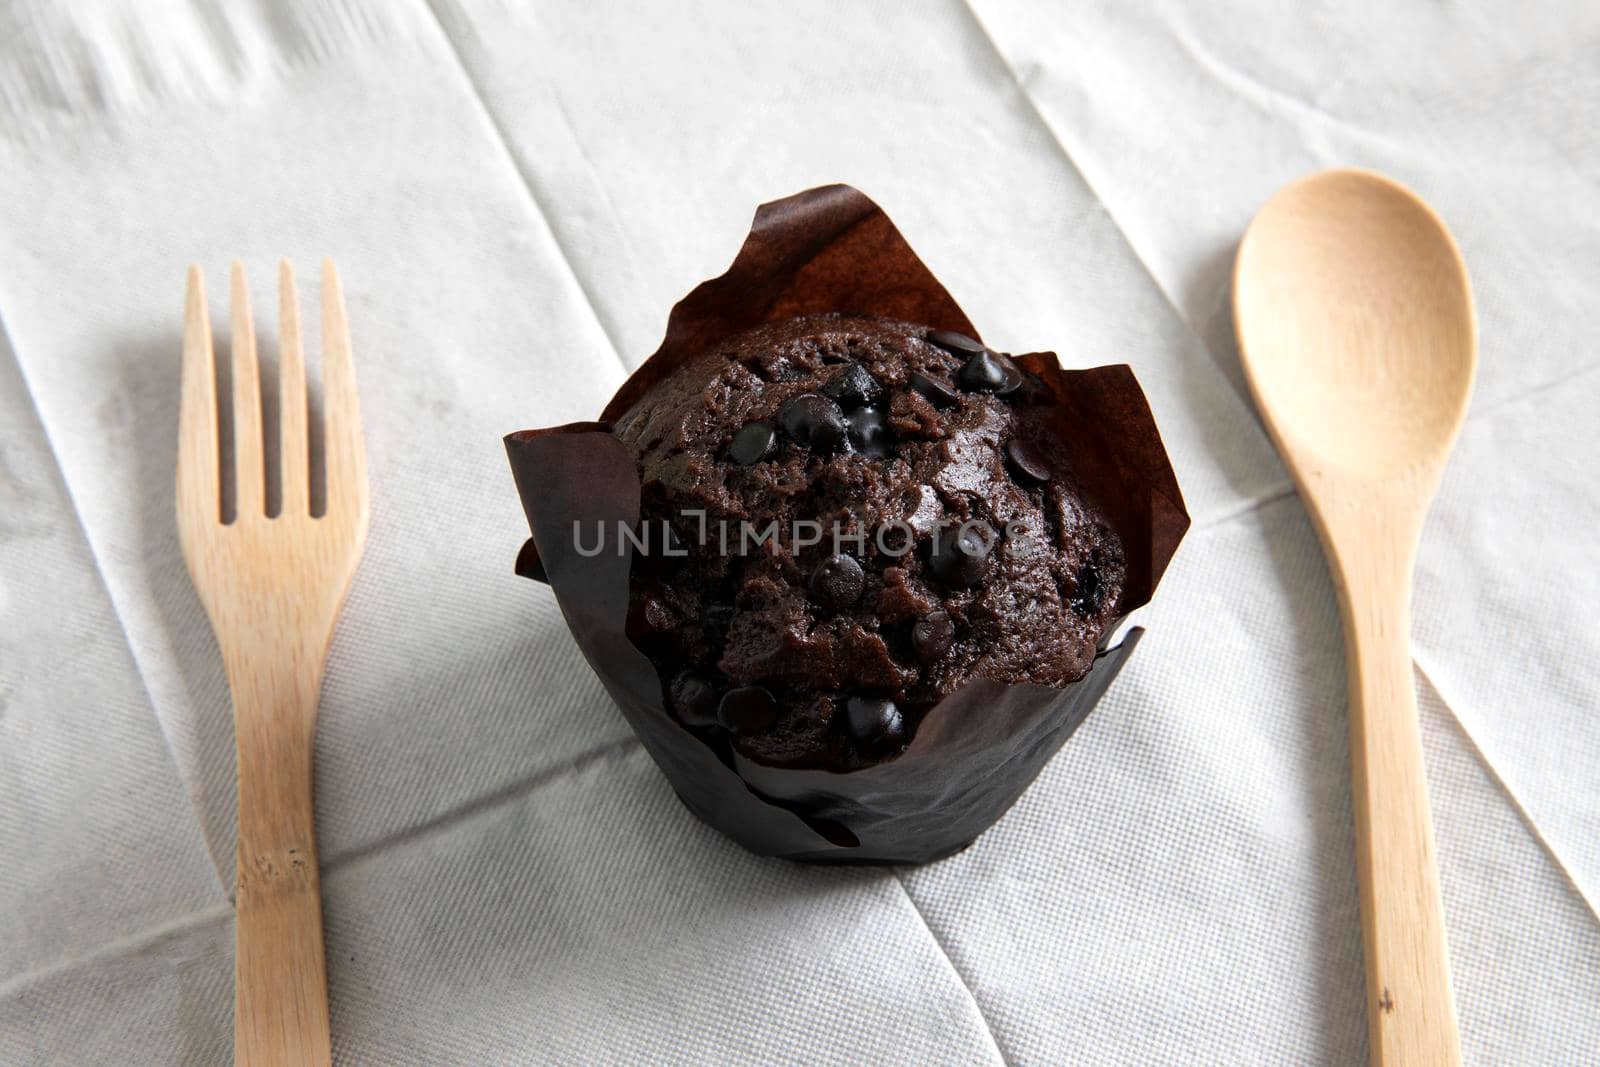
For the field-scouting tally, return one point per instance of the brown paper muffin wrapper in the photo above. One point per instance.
(973, 754)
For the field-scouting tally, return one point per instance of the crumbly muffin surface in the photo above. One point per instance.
(864, 516)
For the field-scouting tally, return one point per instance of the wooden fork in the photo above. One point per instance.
(273, 586)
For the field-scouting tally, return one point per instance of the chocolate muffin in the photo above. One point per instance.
(845, 519)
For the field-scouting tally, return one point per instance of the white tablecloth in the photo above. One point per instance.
(515, 198)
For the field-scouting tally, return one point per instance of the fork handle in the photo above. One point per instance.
(280, 970)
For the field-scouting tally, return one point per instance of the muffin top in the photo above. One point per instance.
(846, 518)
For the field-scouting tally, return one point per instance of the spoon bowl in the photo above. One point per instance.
(1356, 323)
(1357, 335)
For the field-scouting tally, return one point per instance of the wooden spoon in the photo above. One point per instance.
(1357, 334)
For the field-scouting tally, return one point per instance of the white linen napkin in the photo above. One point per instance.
(515, 199)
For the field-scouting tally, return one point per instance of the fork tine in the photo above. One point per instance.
(199, 489)
(294, 440)
(250, 465)
(345, 455)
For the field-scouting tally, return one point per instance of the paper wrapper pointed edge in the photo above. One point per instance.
(833, 250)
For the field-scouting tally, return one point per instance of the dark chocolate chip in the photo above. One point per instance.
(932, 636)
(717, 618)
(694, 699)
(1091, 590)
(959, 557)
(989, 372)
(951, 341)
(869, 433)
(752, 443)
(837, 582)
(872, 721)
(939, 393)
(814, 421)
(648, 618)
(1028, 464)
(852, 387)
(748, 709)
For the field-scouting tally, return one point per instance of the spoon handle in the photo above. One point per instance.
(1410, 1006)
